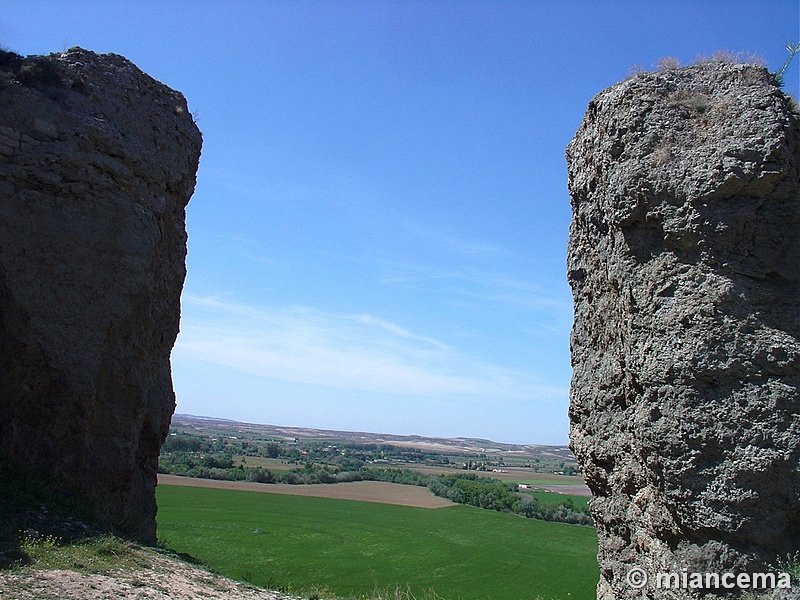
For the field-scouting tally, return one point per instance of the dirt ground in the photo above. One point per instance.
(365, 491)
(164, 578)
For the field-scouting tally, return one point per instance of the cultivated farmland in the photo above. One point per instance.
(351, 549)
(381, 492)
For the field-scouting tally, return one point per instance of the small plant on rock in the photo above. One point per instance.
(792, 49)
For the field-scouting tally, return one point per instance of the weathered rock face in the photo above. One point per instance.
(684, 262)
(97, 164)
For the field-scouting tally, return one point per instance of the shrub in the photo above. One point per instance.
(10, 61)
(695, 102)
(789, 564)
(668, 62)
(39, 72)
(260, 476)
(184, 443)
(733, 57)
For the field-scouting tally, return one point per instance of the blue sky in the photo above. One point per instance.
(378, 236)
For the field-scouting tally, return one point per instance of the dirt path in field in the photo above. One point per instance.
(364, 491)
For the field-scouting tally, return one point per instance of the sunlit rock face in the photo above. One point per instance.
(97, 164)
(684, 263)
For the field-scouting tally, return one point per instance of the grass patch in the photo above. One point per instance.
(91, 555)
(789, 564)
(39, 507)
(321, 547)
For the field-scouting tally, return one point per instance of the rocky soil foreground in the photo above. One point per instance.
(158, 577)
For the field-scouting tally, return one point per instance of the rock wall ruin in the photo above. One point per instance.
(97, 163)
(684, 262)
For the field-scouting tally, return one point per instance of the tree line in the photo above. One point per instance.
(193, 457)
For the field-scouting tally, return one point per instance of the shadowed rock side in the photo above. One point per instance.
(97, 163)
(684, 262)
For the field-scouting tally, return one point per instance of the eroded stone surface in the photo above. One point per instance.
(684, 261)
(97, 164)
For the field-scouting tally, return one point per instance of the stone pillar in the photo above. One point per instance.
(684, 262)
(97, 164)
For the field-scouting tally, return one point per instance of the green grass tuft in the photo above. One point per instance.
(91, 555)
(33, 503)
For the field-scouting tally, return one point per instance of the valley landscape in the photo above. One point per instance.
(330, 548)
(377, 246)
(252, 444)
(369, 538)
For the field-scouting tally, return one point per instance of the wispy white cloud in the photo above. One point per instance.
(475, 285)
(398, 331)
(455, 244)
(358, 352)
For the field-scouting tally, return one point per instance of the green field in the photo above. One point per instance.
(352, 549)
(553, 498)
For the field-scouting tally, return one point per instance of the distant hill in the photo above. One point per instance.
(460, 445)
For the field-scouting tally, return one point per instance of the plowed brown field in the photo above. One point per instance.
(364, 491)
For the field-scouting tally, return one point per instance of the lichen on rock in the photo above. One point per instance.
(684, 262)
(97, 163)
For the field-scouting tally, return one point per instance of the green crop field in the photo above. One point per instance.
(353, 549)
